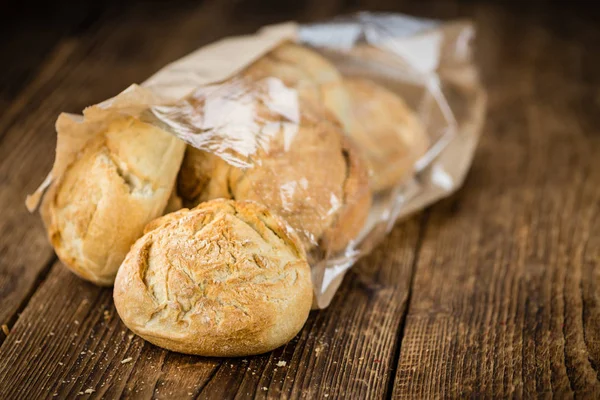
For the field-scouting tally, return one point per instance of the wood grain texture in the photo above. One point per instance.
(76, 343)
(506, 297)
(27, 139)
(501, 280)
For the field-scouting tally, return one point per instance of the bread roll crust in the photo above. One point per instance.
(306, 171)
(388, 132)
(121, 180)
(223, 279)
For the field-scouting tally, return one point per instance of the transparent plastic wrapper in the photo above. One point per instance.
(342, 128)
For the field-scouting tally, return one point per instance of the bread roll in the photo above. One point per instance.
(224, 279)
(119, 182)
(306, 171)
(387, 131)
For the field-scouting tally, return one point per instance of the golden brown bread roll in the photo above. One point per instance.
(388, 132)
(306, 171)
(223, 279)
(119, 182)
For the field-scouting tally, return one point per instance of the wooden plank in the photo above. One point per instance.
(26, 157)
(506, 297)
(76, 342)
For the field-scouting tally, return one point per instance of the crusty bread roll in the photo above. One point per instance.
(306, 171)
(223, 279)
(119, 182)
(388, 132)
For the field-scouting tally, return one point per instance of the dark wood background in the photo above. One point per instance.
(493, 292)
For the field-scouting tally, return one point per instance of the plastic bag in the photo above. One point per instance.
(378, 120)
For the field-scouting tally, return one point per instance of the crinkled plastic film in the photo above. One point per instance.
(282, 128)
(430, 65)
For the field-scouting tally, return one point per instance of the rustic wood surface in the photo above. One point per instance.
(494, 292)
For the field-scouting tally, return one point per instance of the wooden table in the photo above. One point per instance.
(493, 292)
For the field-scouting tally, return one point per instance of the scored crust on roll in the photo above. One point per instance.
(224, 279)
(120, 180)
(306, 171)
(389, 134)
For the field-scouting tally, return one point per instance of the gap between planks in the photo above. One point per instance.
(402, 326)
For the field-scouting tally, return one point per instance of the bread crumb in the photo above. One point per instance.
(5, 329)
(51, 334)
(61, 364)
(76, 322)
(80, 393)
(125, 361)
(281, 364)
(265, 388)
(326, 395)
(89, 391)
(130, 336)
(17, 341)
(106, 315)
(83, 352)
